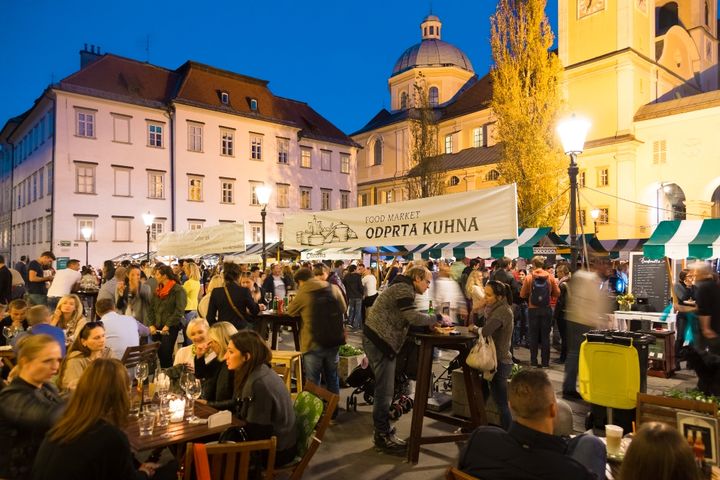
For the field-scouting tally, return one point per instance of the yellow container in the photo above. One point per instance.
(609, 374)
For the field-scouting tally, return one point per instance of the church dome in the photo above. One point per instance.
(432, 51)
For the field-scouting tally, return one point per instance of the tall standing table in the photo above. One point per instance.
(462, 344)
(276, 321)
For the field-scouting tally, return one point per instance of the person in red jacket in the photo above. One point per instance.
(539, 288)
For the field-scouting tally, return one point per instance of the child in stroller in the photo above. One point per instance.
(362, 380)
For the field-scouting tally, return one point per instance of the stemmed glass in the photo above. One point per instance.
(193, 390)
(8, 333)
(268, 299)
(141, 373)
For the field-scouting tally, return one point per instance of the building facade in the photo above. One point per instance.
(120, 138)
(644, 72)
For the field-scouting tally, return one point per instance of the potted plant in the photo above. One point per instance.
(625, 301)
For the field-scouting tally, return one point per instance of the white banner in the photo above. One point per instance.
(228, 237)
(329, 254)
(488, 214)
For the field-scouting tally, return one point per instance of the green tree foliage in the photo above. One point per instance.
(526, 101)
(425, 178)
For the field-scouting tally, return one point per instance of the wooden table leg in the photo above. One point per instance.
(475, 397)
(296, 335)
(422, 388)
(274, 342)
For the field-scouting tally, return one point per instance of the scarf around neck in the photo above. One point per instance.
(164, 291)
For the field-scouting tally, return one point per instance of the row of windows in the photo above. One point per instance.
(602, 219)
(85, 127)
(32, 188)
(85, 182)
(36, 136)
(31, 232)
(602, 176)
(433, 98)
(122, 228)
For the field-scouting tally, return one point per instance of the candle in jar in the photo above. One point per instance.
(177, 410)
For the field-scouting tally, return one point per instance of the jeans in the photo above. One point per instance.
(571, 372)
(498, 390)
(384, 369)
(540, 320)
(323, 362)
(589, 451)
(37, 299)
(167, 345)
(355, 312)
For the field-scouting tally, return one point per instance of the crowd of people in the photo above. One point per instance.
(208, 320)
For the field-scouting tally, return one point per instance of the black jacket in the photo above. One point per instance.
(218, 383)
(519, 454)
(353, 285)
(219, 309)
(101, 453)
(26, 414)
(5, 285)
(269, 284)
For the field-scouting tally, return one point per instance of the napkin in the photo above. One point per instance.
(219, 419)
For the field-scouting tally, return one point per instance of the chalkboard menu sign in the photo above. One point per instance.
(649, 279)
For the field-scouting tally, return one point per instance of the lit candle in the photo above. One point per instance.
(177, 410)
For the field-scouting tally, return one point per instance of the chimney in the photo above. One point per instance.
(89, 56)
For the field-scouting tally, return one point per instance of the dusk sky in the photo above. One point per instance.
(334, 55)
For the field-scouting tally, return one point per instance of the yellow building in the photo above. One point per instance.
(644, 72)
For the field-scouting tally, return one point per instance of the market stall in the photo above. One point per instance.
(223, 238)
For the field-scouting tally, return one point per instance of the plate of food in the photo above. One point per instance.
(446, 330)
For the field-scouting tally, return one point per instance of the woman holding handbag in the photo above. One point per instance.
(499, 326)
(232, 303)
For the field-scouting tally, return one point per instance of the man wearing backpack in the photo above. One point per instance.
(321, 306)
(538, 288)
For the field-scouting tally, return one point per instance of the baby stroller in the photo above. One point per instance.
(362, 380)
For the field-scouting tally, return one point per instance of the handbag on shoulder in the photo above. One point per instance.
(483, 356)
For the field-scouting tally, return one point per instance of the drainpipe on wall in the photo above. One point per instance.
(12, 200)
(51, 233)
(171, 116)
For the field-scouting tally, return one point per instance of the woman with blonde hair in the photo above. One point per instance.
(196, 332)
(29, 406)
(218, 381)
(475, 291)
(87, 347)
(660, 452)
(88, 441)
(215, 282)
(68, 315)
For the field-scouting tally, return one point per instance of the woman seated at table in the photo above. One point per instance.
(218, 381)
(68, 315)
(231, 303)
(87, 347)
(260, 393)
(660, 452)
(88, 441)
(29, 406)
(196, 331)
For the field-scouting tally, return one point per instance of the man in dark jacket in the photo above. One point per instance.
(538, 288)
(5, 283)
(529, 450)
(354, 290)
(384, 332)
(21, 267)
(276, 283)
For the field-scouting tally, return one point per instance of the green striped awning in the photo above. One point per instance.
(528, 239)
(679, 239)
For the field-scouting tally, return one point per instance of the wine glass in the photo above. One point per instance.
(186, 378)
(8, 333)
(268, 298)
(193, 390)
(141, 373)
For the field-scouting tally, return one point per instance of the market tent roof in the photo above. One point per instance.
(679, 239)
(530, 241)
(623, 246)
(229, 237)
(594, 246)
(253, 253)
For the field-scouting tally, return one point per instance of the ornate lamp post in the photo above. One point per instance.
(148, 221)
(595, 214)
(263, 195)
(87, 235)
(572, 132)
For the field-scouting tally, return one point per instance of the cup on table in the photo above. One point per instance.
(613, 436)
(146, 423)
(163, 416)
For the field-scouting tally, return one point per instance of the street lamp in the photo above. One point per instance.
(263, 196)
(87, 235)
(595, 213)
(148, 221)
(572, 132)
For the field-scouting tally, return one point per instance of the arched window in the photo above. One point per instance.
(492, 176)
(667, 16)
(454, 180)
(403, 100)
(377, 152)
(433, 96)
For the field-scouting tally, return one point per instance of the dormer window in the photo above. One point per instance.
(253, 104)
(225, 98)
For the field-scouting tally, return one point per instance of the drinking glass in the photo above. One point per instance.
(146, 422)
(8, 333)
(141, 372)
(268, 298)
(186, 378)
(193, 391)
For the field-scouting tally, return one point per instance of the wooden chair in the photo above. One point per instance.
(141, 353)
(283, 371)
(453, 473)
(231, 461)
(308, 444)
(654, 408)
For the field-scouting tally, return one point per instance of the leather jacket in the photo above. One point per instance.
(26, 414)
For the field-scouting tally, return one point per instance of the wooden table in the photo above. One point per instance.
(291, 359)
(282, 320)
(476, 403)
(179, 433)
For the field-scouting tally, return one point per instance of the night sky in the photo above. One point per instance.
(334, 55)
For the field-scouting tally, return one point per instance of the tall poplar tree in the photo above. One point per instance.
(425, 178)
(526, 101)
